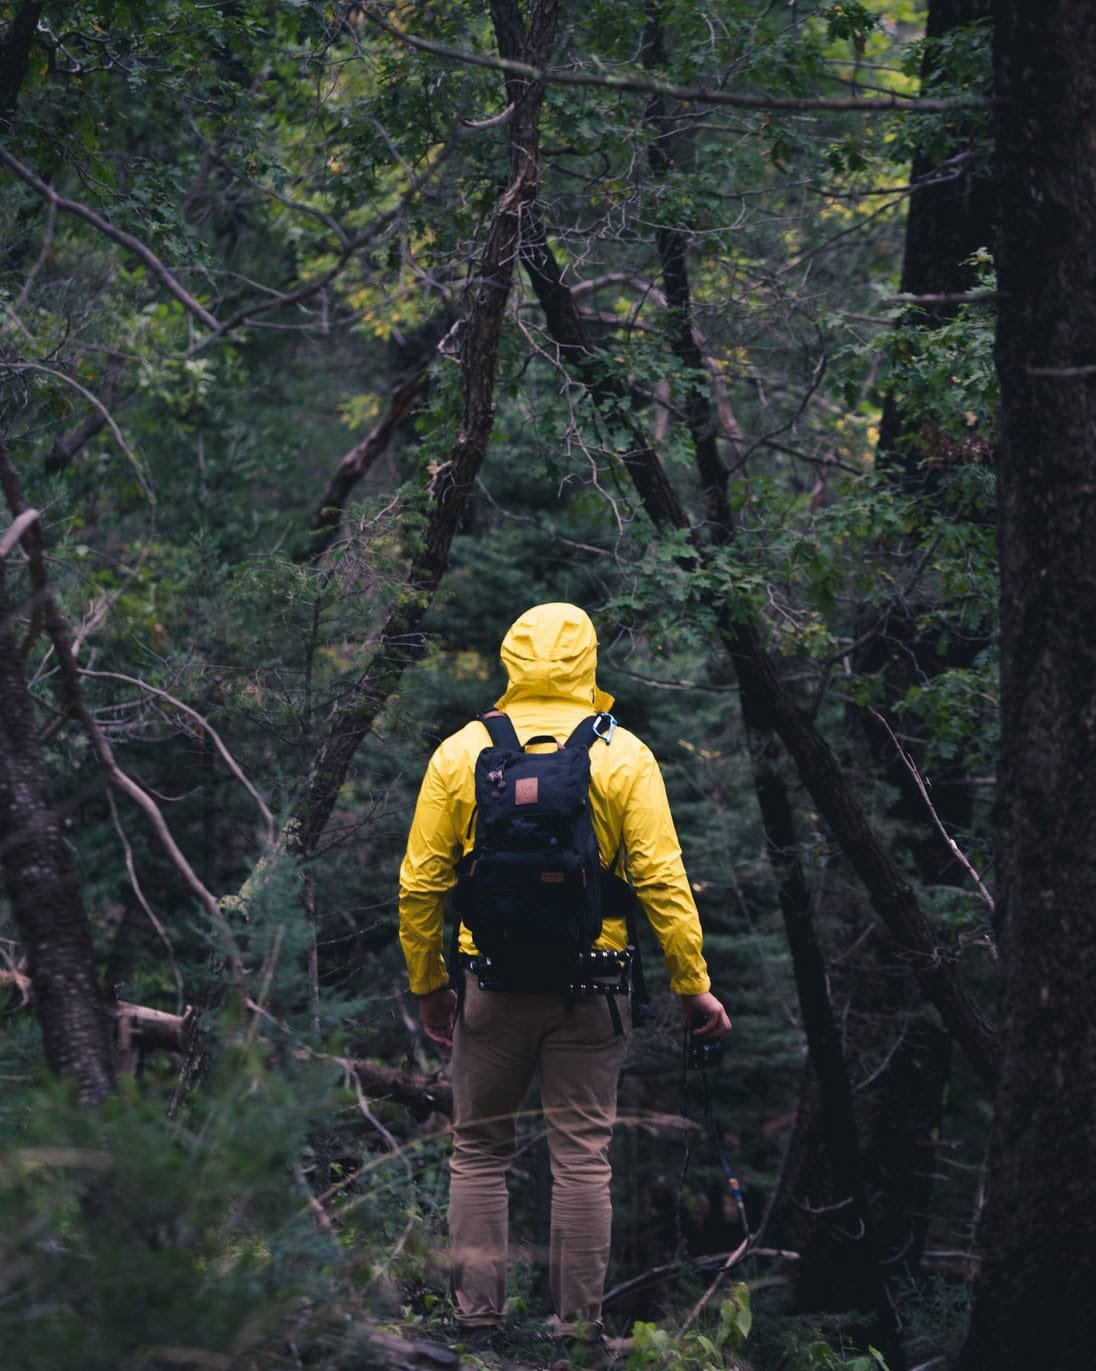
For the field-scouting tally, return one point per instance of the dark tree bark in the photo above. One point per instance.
(43, 888)
(900, 1107)
(16, 42)
(841, 1266)
(1033, 1300)
(950, 217)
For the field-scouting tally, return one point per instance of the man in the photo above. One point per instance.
(501, 1037)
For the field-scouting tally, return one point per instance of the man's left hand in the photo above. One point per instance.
(437, 1013)
(706, 1015)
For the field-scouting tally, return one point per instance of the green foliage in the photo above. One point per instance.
(653, 1346)
(944, 378)
(959, 67)
(126, 1240)
(849, 21)
(820, 1356)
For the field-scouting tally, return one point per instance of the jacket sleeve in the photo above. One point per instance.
(657, 872)
(427, 874)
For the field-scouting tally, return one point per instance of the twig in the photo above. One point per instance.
(732, 1260)
(494, 122)
(970, 297)
(656, 1274)
(20, 982)
(1064, 372)
(42, 258)
(270, 966)
(105, 414)
(323, 1219)
(135, 886)
(397, 1151)
(207, 727)
(15, 531)
(919, 781)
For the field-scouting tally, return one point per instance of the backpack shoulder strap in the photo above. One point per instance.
(591, 729)
(501, 729)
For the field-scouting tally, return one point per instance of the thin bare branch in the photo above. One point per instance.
(638, 84)
(135, 886)
(1064, 373)
(104, 413)
(67, 445)
(397, 1151)
(77, 706)
(126, 240)
(19, 526)
(278, 299)
(495, 121)
(922, 787)
(359, 459)
(204, 724)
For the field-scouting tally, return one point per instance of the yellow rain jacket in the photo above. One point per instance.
(550, 655)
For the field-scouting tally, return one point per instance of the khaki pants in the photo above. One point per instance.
(500, 1039)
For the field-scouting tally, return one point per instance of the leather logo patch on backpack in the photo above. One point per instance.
(526, 790)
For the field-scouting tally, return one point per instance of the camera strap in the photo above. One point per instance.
(712, 1123)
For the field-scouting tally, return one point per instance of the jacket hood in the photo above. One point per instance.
(550, 653)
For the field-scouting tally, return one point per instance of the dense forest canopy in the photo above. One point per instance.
(332, 336)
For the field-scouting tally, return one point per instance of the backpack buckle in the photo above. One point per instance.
(607, 736)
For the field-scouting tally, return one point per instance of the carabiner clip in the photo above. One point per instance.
(606, 737)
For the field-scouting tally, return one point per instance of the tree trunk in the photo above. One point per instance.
(15, 47)
(1033, 1299)
(44, 890)
(950, 217)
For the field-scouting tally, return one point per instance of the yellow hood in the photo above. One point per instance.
(551, 653)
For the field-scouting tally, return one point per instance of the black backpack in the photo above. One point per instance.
(530, 889)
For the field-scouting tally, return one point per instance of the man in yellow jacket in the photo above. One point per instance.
(500, 1037)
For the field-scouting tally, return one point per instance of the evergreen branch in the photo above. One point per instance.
(150, 914)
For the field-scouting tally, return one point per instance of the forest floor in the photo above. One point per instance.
(530, 1349)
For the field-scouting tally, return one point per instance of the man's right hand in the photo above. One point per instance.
(437, 1013)
(705, 1015)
